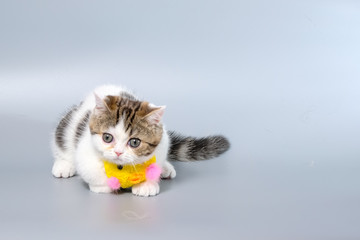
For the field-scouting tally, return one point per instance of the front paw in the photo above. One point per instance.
(100, 188)
(168, 171)
(146, 189)
(63, 169)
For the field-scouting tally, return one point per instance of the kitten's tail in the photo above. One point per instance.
(187, 149)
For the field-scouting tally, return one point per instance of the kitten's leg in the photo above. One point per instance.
(96, 178)
(161, 153)
(168, 170)
(91, 168)
(100, 188)
(64, 166)
(94, 175)
(146, 189)
(152, 188)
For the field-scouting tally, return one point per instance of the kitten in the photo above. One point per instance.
(112, 124)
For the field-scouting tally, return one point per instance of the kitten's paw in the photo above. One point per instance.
(168, 171)
(63, 169)
(100, 188)
(146, 189)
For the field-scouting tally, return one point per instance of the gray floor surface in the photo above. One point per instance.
(280, 79)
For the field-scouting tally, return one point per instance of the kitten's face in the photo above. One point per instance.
(125, 131)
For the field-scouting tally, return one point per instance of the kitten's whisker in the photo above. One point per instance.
(132, 163)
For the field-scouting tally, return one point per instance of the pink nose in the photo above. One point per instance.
(118, 153)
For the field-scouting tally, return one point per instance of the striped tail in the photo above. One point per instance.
(193, 149)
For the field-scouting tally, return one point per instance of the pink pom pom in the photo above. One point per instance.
(113, 183)
(153, 172)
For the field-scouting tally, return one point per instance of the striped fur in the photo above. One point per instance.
(192, 149)
(81, 127)
(62, 126)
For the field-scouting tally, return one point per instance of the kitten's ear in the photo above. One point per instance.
(101, 106)
(155, 115)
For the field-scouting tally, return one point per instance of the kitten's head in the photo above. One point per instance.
(125, 130)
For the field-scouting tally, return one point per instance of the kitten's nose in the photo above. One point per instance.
(118, 153)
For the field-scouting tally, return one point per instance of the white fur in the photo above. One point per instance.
(86, 158)
(146, 189)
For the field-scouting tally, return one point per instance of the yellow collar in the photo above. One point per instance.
(129, 175)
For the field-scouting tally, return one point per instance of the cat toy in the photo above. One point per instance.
(128, 175)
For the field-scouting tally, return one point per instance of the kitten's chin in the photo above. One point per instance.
(119, 161)
(123, 160)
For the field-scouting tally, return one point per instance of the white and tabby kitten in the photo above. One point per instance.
(112, 124)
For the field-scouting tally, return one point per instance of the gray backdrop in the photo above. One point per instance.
(279, 78)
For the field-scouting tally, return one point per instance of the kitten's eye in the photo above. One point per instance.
(107, 137)
(134, 142)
